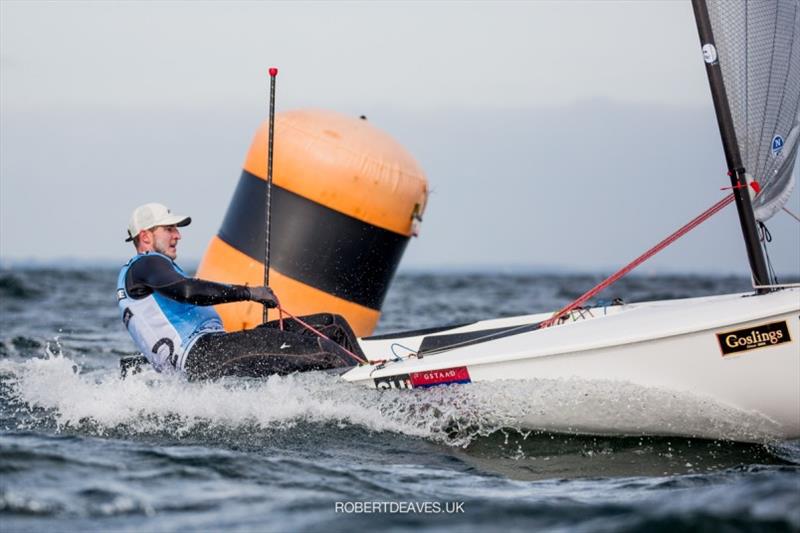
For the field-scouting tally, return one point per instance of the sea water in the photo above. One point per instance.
(81, 449)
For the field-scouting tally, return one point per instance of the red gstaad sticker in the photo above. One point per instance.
(444, 376)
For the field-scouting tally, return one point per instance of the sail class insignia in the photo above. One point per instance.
(777, 144)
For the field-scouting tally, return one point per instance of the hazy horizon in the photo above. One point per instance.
(551, 134)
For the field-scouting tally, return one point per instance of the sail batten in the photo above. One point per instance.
(758, 43)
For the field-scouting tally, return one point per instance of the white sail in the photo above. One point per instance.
(758, 43)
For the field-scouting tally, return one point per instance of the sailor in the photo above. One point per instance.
(170, 318)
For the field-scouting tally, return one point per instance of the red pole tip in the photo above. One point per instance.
(273, 72)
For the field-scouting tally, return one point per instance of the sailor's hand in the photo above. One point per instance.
(263, 295)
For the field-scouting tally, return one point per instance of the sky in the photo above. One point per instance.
(554, 135)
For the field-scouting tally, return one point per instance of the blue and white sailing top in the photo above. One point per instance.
(165, 311)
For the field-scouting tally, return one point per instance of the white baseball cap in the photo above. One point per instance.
(149, 216)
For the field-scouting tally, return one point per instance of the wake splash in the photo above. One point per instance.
(148, 401)
(54, 391)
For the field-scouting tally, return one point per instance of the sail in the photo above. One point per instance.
(758, 44)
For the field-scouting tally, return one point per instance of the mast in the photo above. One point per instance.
(733, 157)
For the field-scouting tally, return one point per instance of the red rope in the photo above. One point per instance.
(318, 333)
(639, 260)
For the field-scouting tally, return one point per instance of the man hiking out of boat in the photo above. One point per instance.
(172, 321)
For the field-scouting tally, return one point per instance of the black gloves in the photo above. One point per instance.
(263, 295)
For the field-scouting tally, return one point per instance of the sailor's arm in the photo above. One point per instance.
(157, 274)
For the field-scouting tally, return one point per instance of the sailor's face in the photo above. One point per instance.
(165, 240)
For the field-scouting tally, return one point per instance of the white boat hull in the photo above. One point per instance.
(674, 352)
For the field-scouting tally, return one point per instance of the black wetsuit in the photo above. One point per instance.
(261, 351)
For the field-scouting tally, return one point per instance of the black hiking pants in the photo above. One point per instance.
(267, 349)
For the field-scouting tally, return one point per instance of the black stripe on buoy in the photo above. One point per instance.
(314, 244)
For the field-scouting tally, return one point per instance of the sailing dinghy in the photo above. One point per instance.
(740, 351)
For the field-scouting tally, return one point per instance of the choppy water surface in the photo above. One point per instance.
(82, 450)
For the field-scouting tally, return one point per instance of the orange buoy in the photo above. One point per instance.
(345, 199)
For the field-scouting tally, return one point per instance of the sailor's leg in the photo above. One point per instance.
(260, 352)
(335, 327)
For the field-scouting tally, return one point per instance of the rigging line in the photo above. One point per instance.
(500, 334)
(322, 335)
(639, 260)
(602, 285)
(778, 286)
(397, 357)
(766, 237)
(791, 214)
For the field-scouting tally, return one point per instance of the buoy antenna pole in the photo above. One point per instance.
(273, 73)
